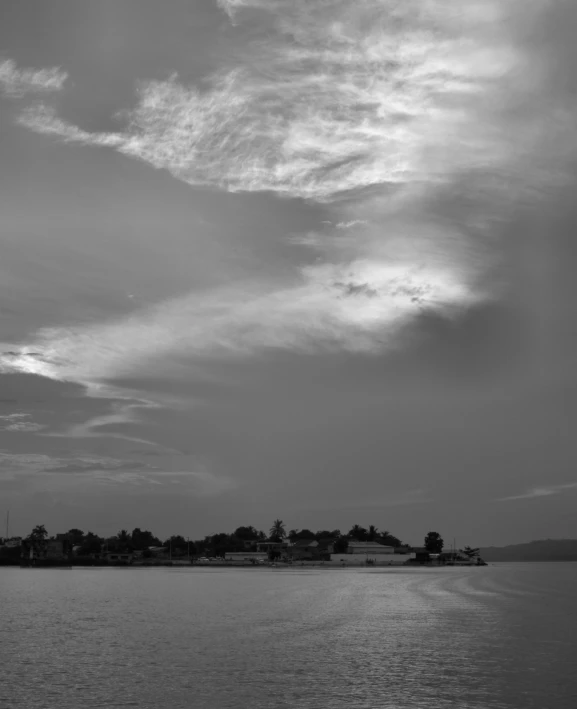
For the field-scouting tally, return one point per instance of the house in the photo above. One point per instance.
(419, 555)
(304, 549)
(327, 544)
(52, 549)
(272, 549)
(159, 552)
(12, 543)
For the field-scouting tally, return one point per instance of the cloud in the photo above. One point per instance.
(16, 423)
(122, 413)
(379, 110)
(351, 224)
(31, 463)
(16, 82)
(333, 97)
(544, 491)
(77, 471)
(355, 307)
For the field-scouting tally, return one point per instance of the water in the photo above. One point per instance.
(495, 637)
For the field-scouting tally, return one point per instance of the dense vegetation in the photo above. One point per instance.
(242, 538)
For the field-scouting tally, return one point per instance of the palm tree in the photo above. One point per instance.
(277, 531)
(357, 532)
(373, 531)
(123, 539)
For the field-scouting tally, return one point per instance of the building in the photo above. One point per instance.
(13, 543)
(54, 549)
(252, 556)
(119, 557)
(305, 549)
(272, 549)
(370, 548)
(327, 544)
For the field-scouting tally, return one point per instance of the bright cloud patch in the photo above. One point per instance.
(332, 97)
(17, 82)
(355, 307)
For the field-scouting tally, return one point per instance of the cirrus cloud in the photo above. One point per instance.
(374, 108)
(15, 82)
(17, 423)
(333, 97)
(541, 491)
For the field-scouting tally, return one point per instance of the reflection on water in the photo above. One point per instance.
(497, 636)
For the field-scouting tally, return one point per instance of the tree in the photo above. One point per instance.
(91, 544)
(124, 539)
(38, 534)
(76, 536)
(434, 543)
(293, 535)
(326, 534)
(470, 552)
(277, 531)
(246, 533)
(372, 533)
(177, 545)
(389, 539)
(303, 534)
(142, 539)
(358, 533)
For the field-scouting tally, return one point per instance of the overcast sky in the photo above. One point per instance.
(284, 258)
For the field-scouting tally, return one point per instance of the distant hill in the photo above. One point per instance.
(541, 550)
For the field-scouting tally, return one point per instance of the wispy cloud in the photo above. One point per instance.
(543, 491)
(354, 307)
(351, 224)
(333, 97)
(375, 108)
(18, 423)
(17, 82)
(122, 413)
(83, 468)
(73, 463)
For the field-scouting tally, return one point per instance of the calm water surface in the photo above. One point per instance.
(498, 636)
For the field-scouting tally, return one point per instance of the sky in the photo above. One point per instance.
(287, 259)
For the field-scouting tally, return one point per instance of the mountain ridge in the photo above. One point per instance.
(537, 550)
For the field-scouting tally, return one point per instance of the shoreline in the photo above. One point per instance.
(325, 566)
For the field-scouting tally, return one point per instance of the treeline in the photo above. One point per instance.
(242, 538)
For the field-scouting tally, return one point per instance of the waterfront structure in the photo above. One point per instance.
(119, 557)
(370, 548)
(252, 556)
